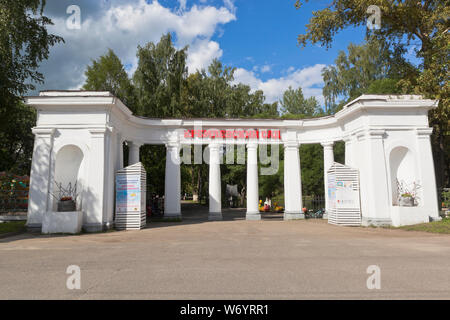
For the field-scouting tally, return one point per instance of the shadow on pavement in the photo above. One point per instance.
(193, 213)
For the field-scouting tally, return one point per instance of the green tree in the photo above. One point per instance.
(311, 159)
(24, 43)
(108, 74)
(158, 86)
(384, 86)
(294, 103)
(16, 139)
(213, 93)
(353, 73)
(159, 79)
(425, 23)
(272, 185)
(421, 20)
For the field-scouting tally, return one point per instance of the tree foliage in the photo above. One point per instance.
(354, 72)
(424, 24)
(16, 139)
(108, 74)
(213, 93)
(294, 103)
(159, 79)
(423, 20)
(24, 43)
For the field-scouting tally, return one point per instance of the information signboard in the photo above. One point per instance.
(343, 195)
(346, 195)
(128, 195)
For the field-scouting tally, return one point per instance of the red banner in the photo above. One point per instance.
(234, 134)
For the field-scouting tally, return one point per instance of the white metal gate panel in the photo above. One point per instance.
(344, 196)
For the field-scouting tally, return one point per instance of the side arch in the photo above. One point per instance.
(69, 167)
(402, 169)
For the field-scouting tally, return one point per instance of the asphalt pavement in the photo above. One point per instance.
(230, 259)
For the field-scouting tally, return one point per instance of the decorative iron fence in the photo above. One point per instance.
(444, 198)
(13, 192)
(314, 202)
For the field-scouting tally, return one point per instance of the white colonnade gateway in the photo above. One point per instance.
(79, 137)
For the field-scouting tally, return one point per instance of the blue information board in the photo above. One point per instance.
(128, 193)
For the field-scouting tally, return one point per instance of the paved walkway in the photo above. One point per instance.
(234, 258)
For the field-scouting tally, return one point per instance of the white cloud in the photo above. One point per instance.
(309, 79)
(266, 68)
(182, 4)
(201, 53)
(122, 27)
(230, 5)
(290, 69)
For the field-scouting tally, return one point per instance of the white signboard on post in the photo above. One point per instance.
(343, 194)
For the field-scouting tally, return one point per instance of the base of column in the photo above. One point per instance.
(172, 215)
(293, 216)
(253, 216)
(34, 227)
(376, 222)
(96, 227)
(215, 216)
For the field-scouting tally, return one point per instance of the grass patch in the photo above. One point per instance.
(12, 226)
(442, 226)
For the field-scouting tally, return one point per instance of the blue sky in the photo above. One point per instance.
(265, 33)
(258, 38)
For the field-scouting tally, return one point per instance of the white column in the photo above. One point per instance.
(110, 177)
(134, 152)
(252, 183)
(375, 203)
(215, 190)
(292, 182)
(172, 207)
(94, 201)
(40, 177)
(119, 161)
(328, 159)
(348, 151)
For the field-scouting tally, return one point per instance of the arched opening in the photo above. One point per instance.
(402, 171)
(311, 165)
(271, 181)
(68, 168)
